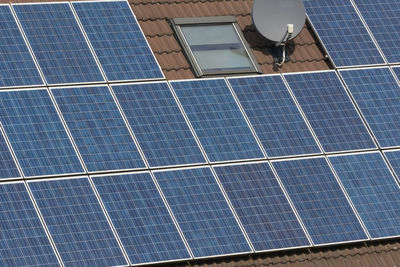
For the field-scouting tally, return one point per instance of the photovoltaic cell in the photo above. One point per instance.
(274, 116)
(330, 111)
(394, 159)
(320, 201)
(58, 43)
(372, 189)
(158, 124)
(77, 223)
(342, 32)
(202, 212)
(8, 169)
(117, 40)
(140, 217)
(37, 134)
(16, 64)
(98, 129)
(23, 239)
(383, 19)
(262, 206)
(217, 120)
(397, 72)
(377, 94)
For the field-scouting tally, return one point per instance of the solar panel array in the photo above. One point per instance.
(100, 166)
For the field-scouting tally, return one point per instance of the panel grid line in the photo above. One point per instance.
(239, 222)
(38, 212)
(348, 198)
(67, 130)
(28, 44)
(246, 118)
(110, 223)
(11, 150)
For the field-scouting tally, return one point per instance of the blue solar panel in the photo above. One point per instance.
(217, 120)
(342, 32)
(77, 223)
(330, 111)
(202, 212)
(320, 201)
(397, 72)
(58, 43)
(117, 40)
(372, 189)
(8, 169)
(140, 217)
(383, 19)
(23, 239)
(274, 116)
(98, 129)
(36, 133)
(377, 94)
(16, 64)
(158, 124)
(394, 159)
(261, 206)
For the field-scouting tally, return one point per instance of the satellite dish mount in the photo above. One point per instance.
(279, 21)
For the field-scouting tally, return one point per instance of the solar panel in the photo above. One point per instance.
(140, 217)
(8, 169)
(217, 120)
(37, 134)
(372, 189)
(274, 116)
(202, 212)
(117, 40)
(383, 19)
(330, 111)
(320, 201)
(23, 239)
(262, 206)
(158, 124)
(342, 32)
(58, 43)
(377, 94)
(77, 223)
(16, 64)
(98, 129)
(394, 159)
(396, 71)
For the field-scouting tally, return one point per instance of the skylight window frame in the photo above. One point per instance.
(177, 24)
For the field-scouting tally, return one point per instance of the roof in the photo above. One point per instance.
(153, 15)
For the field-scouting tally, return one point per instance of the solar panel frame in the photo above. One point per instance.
(390, 58)
(29, 50)
(356, 110)
(235, 105)
(179, 112)
(222, 200)
(284, 193)
(80, 146)
(374, 185)
(100, 211)
(62, 129)
(5, 148)
(140, 30)
(291, 98)
(345, 198)
(378, 139)
(41, 225)
(160, 194)
(90, 55)
(362, 26)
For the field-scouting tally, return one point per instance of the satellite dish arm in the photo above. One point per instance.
(283, 41)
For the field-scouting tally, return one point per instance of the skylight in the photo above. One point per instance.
(215, 45)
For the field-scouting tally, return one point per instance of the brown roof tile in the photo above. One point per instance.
(153, 17)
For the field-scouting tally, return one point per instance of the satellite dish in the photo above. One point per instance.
(273, 17)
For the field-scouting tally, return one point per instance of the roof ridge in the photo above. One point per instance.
(154, 2)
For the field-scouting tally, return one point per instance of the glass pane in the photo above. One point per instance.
(217, 47)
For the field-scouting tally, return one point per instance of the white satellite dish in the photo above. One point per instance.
(279, 20)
